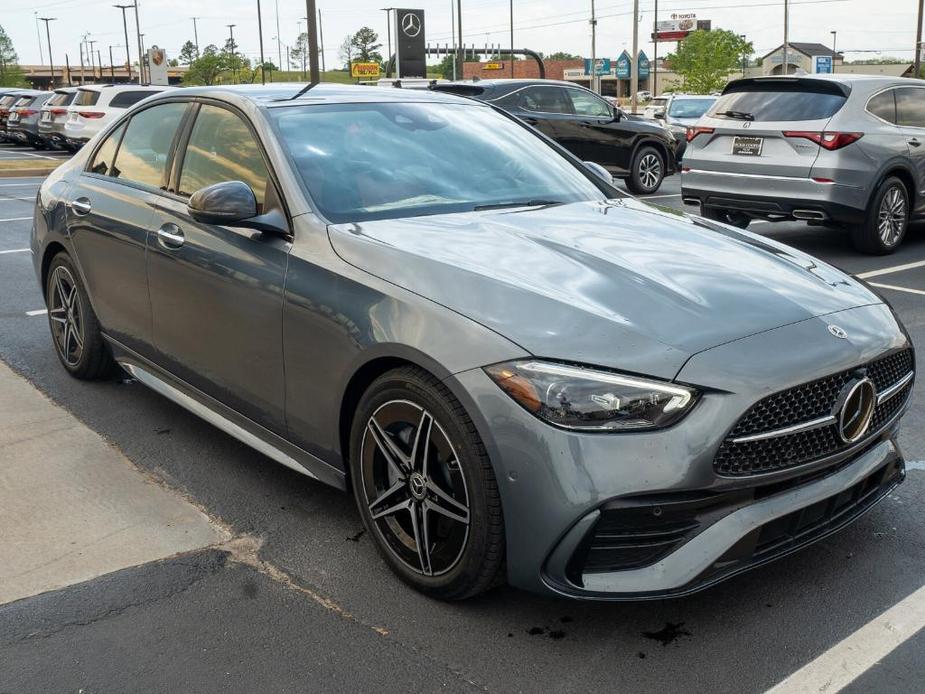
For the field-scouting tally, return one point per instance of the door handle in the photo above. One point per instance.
(81, 206)
(170, 236)
(915, 142)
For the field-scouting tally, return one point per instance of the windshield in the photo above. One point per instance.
(390, 160)
(689, 108)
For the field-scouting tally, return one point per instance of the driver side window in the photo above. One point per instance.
(589, 105)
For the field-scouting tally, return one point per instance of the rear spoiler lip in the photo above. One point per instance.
(811, 84)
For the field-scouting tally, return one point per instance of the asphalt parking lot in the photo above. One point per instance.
(10, 151)
(314, 608)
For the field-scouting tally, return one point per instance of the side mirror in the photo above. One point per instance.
(233, 203)
(659, 115)
(599, 171)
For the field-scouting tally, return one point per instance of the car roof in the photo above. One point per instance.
(515, 82)
(123, 87)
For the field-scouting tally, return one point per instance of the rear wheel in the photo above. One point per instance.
(731, 217)
(425, 487)
(887, 219)
(648, 171)
(75, 329)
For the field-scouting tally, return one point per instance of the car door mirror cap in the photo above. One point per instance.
(599, 171)
(233, 203)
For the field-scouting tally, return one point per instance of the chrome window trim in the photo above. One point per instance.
(895, 107)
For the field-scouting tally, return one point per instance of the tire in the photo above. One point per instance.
(730, 217)
(886, 221)
(647, 172)
(410, 495)
(75, 330)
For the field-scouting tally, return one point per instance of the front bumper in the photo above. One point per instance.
(775, 198)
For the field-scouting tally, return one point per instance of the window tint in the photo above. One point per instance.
(222, 148)
(587, 104)
(689, 108)
(23, 101)
(883, 106)
(781, 104)
(7, 101)
(142, 158)
(102, 160)
(86, 97)
(126, 99)
(60, 99)
(546, 100)
(910, 107)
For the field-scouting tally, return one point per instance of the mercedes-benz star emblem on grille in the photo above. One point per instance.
(411, 25)
(838, 332)
(858, 401)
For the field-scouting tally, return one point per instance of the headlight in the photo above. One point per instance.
(589, 400)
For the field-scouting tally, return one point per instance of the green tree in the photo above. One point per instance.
(298, 51)
(346, 51)
(207, 69)
(705, 59)
(561, 55)
(10, 73)
(188, 53)
(365, 45)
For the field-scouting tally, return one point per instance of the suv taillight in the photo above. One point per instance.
(25, 112)
(693, 132)
(828, 139)
(59, 111)
(91, 114)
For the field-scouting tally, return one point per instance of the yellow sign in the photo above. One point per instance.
(493, 66)
(361, 70)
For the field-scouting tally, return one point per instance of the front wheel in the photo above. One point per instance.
(731, 217)
(425, 488)
(648, 171)
(886, 221)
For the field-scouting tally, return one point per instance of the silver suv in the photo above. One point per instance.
(841, 150)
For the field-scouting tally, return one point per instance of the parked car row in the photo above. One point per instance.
(66, 118)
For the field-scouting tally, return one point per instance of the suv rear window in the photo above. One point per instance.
(60, 99)
(86, 97)
(126, 99)
(781, 101)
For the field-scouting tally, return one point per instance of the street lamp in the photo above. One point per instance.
(234, 66)
(128, 59)
(388, 30)
(51, 62)
(834, 36)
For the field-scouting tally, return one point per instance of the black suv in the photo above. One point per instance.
(641, 152)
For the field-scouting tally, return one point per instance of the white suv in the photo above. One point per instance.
(97, 105)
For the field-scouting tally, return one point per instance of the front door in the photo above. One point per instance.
(217, 291)
(605, 141)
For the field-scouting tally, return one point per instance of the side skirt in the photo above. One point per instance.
(226, 419)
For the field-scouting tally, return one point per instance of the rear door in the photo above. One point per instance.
(910, 116)
(217, 291)
(766, 127)
(548, 109)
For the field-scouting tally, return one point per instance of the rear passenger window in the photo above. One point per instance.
(142, 157)
(126, 99)
(102, 160)
(222, 148)
(546, 100)
(910, 107)
(883, 106)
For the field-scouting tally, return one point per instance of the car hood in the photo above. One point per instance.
(620, 284)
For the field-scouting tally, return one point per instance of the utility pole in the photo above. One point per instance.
(453, 32)
(594, 50)
(460, 46)
(128, 59)
(655, 52)
(112, 68)
(279, 41)
(388, 33)
(196, 35)
(51, 61)
(918, 43)
(263, 79)
(512, 38)
(321, 40)
(311, 12)
(67, 67)
(38, 36)
(786, 62)
(234, 66)
(90, 56)
(141, 60)
(634, 75)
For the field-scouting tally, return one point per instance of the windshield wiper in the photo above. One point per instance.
(517, 203)
(738, 115)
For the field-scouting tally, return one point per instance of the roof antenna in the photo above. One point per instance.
(301, 91)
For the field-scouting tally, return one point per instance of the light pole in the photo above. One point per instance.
(141, 60)
(655, 52)
(460, 47)
(918, 43)
(112, 68)
(196, 35)
(388, 33)
(634, 75)
(234, 66)
(51, 62)
(593, 50)
(263, 79)
(834, 36)
(38, 38)
(128, 59)
(786, 61)
(90, 56)
(279, 45)
(512, 37)
(312, 13)
(321, 40)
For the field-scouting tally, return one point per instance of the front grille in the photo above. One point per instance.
(802, 404)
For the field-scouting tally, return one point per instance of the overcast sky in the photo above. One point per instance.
(543, 25)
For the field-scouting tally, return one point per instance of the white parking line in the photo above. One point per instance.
(15, 250)
(891, 270)
(17, 185)
(897, 289)
(10, 198)
(655, 197)
(915, 465)
(846, 661)
(28, 154)
(15, 219)
(37, 312)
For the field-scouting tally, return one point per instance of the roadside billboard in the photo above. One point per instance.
(601, 67)
(822, 64)
(157, 66)
(678, 26)
(365, 70)
(642, 66)
(624, 62)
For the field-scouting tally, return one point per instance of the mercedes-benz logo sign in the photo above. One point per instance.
(838, 332)
(411, 24)
(417, 485)
(857, 400)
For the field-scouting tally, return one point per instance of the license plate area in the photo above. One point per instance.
(747, 146)
(46, 116)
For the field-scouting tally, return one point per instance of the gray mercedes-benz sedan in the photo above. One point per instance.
(519, 373)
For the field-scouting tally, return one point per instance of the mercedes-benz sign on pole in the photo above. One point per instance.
(410, 57)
